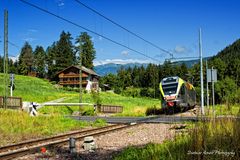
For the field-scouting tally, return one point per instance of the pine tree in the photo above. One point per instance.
(60, 55)
(86, 49)
(51, 56)
(26, 59)
(39, 61)
(12, 66)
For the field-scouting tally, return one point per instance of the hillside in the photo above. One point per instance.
(227, 62)
(34, 89)
(230, 53)
(191, 63)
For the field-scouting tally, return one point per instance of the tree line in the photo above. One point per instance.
(61, 54)
(144, 81)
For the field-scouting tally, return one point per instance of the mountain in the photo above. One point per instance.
(190, 63)
(105, 69)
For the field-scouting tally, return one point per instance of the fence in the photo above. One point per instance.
(110, 109)
(12, 102)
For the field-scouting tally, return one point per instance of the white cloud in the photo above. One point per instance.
(29, 39)
(60, 3)
(125, 53)
(29, 36)
(14, 58)
(180, 49)
(32, 30)
(121, 61)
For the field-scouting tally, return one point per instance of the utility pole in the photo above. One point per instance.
(213, 101)
(80, 77)
(5, 58)
(207, 86)
(201, 71)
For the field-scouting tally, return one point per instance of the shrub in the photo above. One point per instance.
(130, 91)
(147, 92)
(117, 90)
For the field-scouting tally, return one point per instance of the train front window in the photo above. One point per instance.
(170, 88)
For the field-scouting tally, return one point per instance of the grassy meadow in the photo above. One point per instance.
(131, 106)
(34, 89)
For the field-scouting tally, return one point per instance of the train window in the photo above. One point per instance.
(170, 88)
(169, 80)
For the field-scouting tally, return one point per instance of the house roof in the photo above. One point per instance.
(87, 70)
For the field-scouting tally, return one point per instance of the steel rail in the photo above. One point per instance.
(20, 149)
(36, 141)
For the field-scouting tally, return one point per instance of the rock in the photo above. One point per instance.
(89, 144)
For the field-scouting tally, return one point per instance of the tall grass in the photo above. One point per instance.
(17, 125)
(217, 139)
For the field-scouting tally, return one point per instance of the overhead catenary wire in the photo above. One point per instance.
(13, 44)
(124, 28)
(84, 28)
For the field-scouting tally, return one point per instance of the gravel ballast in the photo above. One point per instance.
(112, 143)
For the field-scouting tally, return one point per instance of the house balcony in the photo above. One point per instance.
(72, 82)
(72, 75)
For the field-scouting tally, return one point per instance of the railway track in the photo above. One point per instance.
(23, 148)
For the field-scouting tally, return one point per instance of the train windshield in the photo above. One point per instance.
(170, 88)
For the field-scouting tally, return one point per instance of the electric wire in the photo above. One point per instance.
(120, 26)
(84, 28)
(13, 44)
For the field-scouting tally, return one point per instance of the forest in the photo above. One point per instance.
(137, 81)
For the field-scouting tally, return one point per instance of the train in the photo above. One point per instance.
(177, 93)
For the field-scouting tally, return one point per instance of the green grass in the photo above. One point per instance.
(214, 140)
(131, 106)
(223, 110)
(16, 125)
(35, 89)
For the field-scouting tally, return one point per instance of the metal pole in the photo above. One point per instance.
(213, 103)
(207, 86)
(80, 77)
(201, 72)
(11, 90)
(5, 57)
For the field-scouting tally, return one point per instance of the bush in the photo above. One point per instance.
(147, 92)
(130, 91)
(117, 90)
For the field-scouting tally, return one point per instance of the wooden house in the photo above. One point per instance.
(69, 77)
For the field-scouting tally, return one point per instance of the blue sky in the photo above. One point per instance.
(171, 24)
